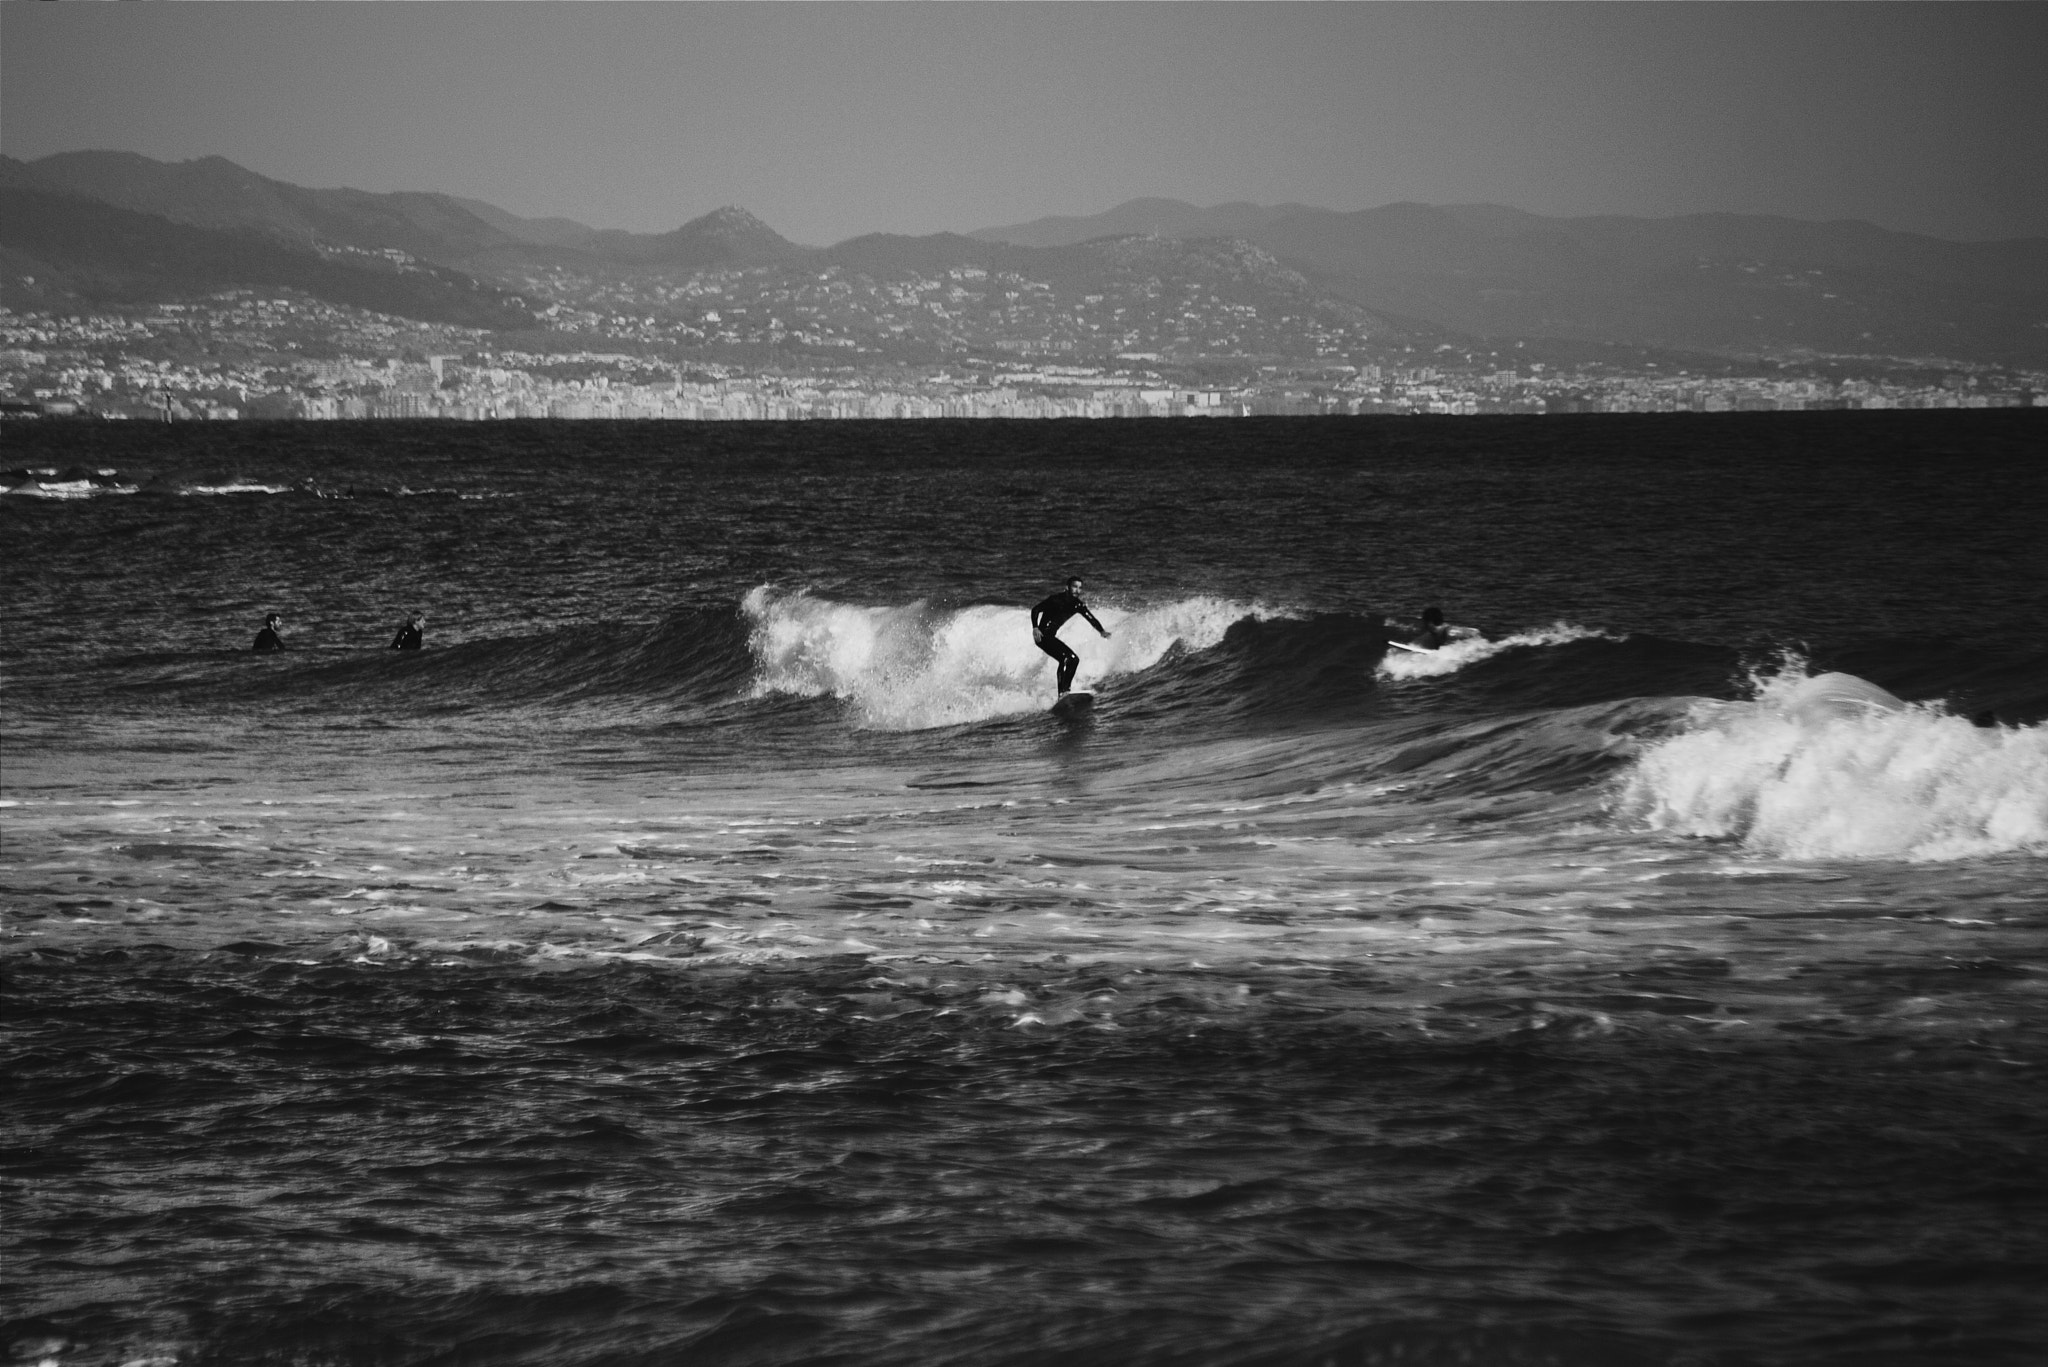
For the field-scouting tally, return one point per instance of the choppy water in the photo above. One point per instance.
(708, 950)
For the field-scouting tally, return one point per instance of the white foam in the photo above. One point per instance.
(1455, 655)
(237, 487)
(911, 667)
(68, 488)
(1910, 783)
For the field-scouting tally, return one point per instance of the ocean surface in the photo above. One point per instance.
(709, 950)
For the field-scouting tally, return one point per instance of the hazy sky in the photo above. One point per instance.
(838, 119)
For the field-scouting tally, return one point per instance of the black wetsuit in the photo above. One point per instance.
(408, 637)
(1047, 619)
(268, 639)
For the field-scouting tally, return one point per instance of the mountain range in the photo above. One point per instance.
(1711, 282)
(84, 227)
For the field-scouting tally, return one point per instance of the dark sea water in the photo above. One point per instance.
(708, 949)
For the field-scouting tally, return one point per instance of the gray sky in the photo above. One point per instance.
(838, 119)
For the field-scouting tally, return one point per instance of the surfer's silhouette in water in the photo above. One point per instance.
(411, 634)
(1430, 631)
(268, 638)
(1047, 619)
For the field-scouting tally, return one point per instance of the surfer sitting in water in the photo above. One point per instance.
(1047, 619)
(410, 635)
(268, 638)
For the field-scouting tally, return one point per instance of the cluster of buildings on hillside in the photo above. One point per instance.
(1255, 308)
(253, 358)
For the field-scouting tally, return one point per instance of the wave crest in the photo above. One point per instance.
(1869, 782)
(913, 666)
(1404, 665)
(65, 489)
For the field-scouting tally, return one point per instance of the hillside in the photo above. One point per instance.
(62, 250)
(1741, 286)
(1717, 282)
(213, 192)
(723, 237)
(1728, 283)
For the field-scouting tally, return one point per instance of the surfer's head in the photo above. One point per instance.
(1073, 583)
(271, 620)
(1432, 617)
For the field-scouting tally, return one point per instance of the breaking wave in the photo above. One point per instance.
(916, 666)
(1815, 767)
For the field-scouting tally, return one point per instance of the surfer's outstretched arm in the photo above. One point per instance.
(1093, 623)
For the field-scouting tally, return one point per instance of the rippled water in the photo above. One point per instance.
(708, 950)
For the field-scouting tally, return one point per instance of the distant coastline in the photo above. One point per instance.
(753, 399)
(136, 288)
(142, 365)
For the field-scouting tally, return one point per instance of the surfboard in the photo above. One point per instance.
(1074, 704)
(1416, 650)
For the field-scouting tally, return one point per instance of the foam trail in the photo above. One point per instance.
(66, 489)
(911, 667)
(1455, 655)
(233, 487)
(1784, 779)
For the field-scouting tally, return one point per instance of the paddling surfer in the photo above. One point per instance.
(268, 638)
(1047, 619)
(411, 634)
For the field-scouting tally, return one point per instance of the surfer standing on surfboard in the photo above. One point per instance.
(1047, 619)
